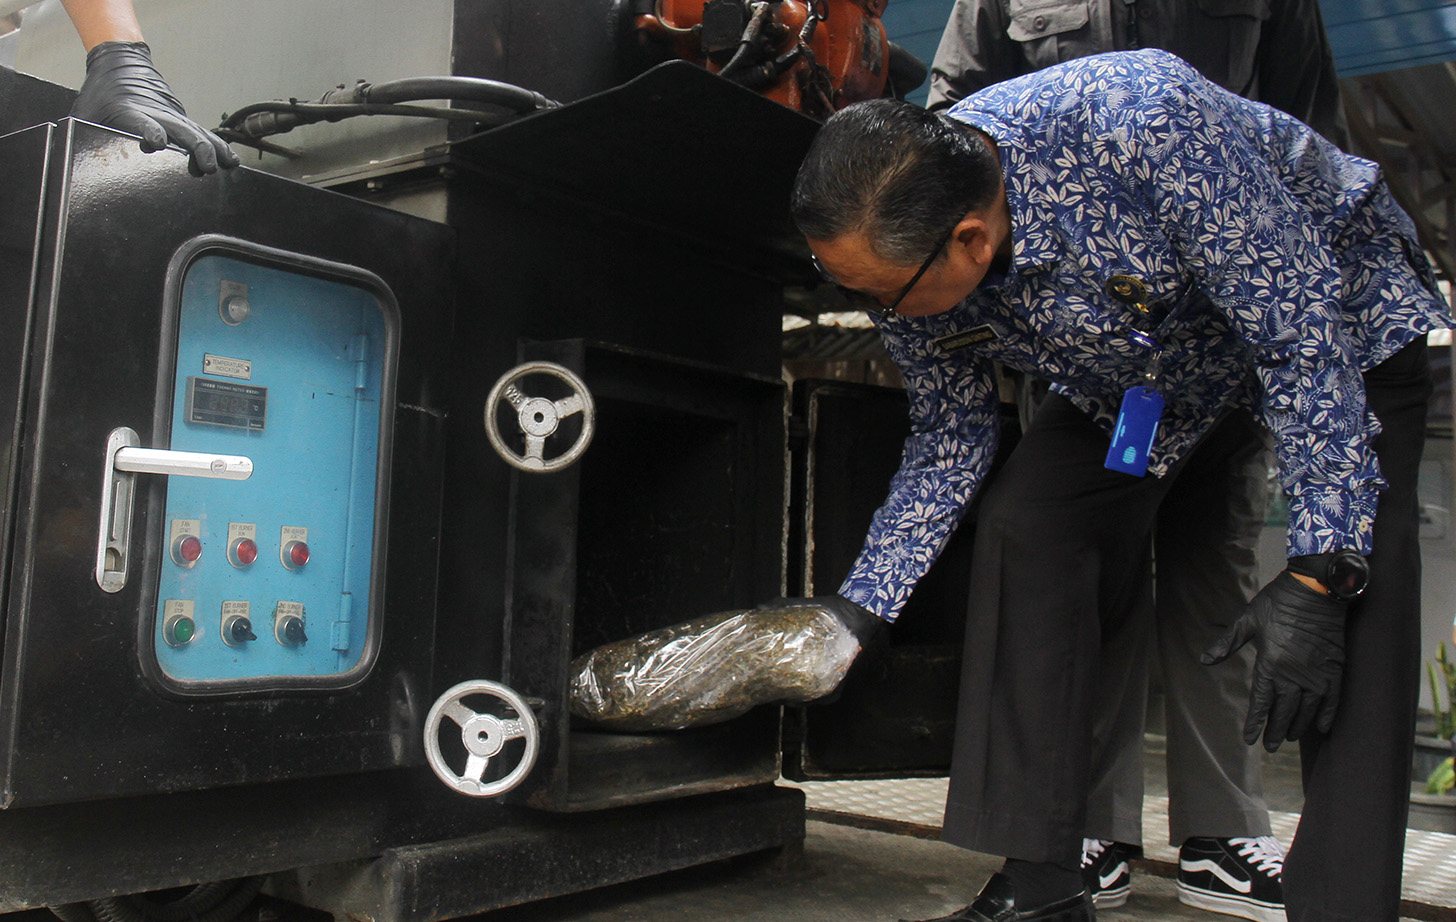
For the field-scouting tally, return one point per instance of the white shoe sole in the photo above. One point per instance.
(1243, 907)
(1111, 899)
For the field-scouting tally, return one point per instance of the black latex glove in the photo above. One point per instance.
(872, 632)
(122, 90)
(1299, 634)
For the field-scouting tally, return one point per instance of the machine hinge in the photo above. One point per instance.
(342, 627)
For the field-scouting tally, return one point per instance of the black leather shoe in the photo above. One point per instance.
(997, 903)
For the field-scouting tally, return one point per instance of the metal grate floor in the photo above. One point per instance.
(1430, 857)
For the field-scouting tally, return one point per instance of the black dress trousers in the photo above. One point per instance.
(1059, 554)
(1061, 550)
(1345, 862)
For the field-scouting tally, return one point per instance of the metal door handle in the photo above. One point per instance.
(124, 460)
(183, 463)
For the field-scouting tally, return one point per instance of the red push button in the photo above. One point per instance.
(186, 549)
(243, 552)
(295, 555)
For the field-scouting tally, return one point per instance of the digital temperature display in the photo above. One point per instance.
(223, 403)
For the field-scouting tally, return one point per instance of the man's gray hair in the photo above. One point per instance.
(900, 175)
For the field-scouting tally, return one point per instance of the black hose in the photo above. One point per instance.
(761, 77)
(220, 901)
(115, 909)
(200, 898)
(74, 912)
(242, 897)
(262, 119)
(761, 13)
(233, 136)
(811, 22)
(907, 72)
(475, 89)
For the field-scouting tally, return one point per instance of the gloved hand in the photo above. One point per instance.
(122, 90)
(872, 632)
(1300, 637)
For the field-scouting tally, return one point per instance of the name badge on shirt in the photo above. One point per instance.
(1137, 425)
(974, 336)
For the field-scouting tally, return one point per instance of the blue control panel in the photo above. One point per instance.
(268, 582)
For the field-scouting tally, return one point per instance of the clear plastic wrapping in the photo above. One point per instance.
(712, 668)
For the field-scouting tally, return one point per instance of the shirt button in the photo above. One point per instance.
(1145, 12)
(1039, 24)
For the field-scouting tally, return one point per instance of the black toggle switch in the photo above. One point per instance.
(241, 631)
(291, 632)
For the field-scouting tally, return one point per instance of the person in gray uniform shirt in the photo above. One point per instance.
(1206, 542)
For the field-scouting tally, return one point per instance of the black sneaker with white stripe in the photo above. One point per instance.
(1105, 871)
(1241, 877)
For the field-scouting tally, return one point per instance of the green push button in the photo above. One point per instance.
(179, 630)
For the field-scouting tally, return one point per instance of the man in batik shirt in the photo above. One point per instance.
(1209, 526)
(1163, 252)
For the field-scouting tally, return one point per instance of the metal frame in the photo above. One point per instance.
(71, 650)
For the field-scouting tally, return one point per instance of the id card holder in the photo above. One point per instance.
(1137, 425)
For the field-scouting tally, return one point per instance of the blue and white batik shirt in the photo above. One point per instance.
(1278, 269)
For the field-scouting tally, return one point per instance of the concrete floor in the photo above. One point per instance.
(872, 854)
(853, 869)
(844, 874)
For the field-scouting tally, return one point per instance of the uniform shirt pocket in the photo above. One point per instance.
(1039, 20)
(1225, 48)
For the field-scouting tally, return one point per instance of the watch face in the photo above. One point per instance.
(1346, 576)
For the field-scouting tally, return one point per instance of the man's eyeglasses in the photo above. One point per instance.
(860, 300)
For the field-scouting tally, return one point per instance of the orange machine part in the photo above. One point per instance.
(848, 59)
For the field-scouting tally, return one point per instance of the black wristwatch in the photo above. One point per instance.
(1343, 573)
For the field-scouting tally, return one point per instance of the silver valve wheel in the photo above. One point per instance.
(484, 736)
(539, 417)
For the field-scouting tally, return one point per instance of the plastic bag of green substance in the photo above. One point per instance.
(713, 668)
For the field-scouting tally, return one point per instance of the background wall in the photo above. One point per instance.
(220, 55)
(1367, 36)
